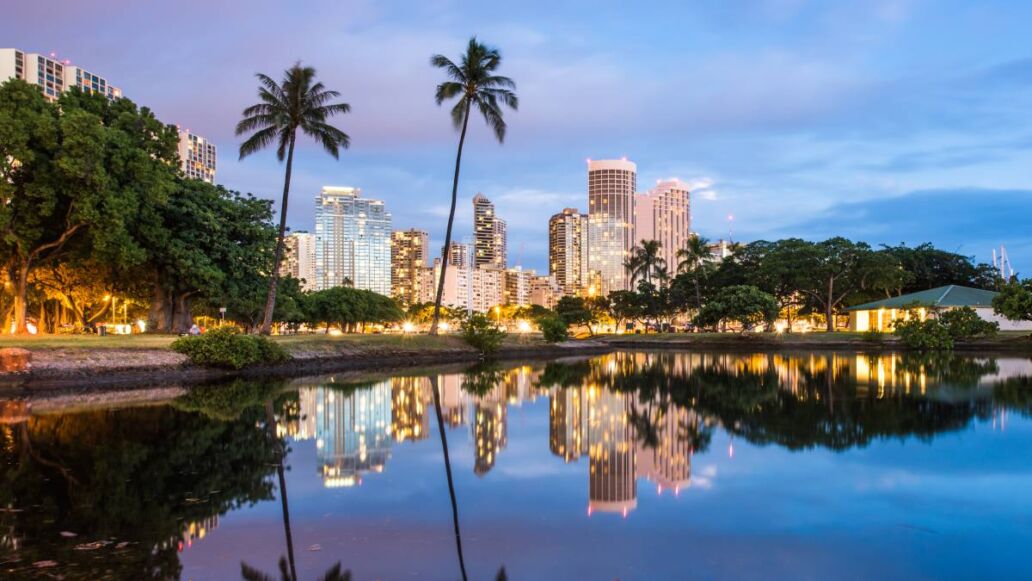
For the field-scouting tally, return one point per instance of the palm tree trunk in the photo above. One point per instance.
(447, 468)
(270, 301)
(448, 231)
(270, 420)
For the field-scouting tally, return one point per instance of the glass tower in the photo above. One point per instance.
(353, 241)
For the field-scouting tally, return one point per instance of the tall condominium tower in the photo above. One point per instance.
(51, 75)
(299, 259)
(568, 250)
(664, 214)
(489, 234)
(611, 187)
(458, 256)
(409, 253)
(352, 241)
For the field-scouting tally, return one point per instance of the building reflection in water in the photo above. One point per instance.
(616, 412)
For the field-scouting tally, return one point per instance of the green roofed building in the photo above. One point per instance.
(879, 315)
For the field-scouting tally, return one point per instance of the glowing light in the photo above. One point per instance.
(408, 327)
(445, 326)
(523, 326)
(141, 325)
(335, 332)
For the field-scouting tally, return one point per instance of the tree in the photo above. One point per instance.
(695, 261)
(73, 173)
(575, 311)
(746, 305)
(929, 267)
(830, 271)
(1015, 300)
(645, 260)
(477, 86)
(298, 103)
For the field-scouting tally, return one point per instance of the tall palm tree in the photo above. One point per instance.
(693, 260)
(477, 86)
(644, 260)
(298, 102)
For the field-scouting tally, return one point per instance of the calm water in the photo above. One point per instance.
(629, 466)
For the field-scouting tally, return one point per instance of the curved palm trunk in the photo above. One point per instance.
(270, 420)
(270, 301)
(451, 219)
(447, 468)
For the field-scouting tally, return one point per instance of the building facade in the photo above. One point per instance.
(663, 214)
(409, 254)
(544, 291)
(51, 75)
(517, 286)
(196, 156)
(299, 258)
(489, 235)
(611, 188)
(568, 250)
(352, 241)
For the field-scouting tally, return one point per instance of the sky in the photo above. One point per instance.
(881, 120)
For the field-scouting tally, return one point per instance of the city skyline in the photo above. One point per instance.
(853, 139)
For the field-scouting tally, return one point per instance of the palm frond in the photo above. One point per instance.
(258, 141)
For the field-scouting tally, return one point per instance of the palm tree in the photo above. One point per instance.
(297, 103)
(477, 86)
(644, 260)
(448, 471)
(693, 260)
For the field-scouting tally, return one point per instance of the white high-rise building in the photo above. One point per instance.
(196, 156)
(299, 258)
(664, 214)
(611, 187)
(352, 241)
(51, 75)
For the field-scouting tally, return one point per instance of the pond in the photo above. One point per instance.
(644, 465)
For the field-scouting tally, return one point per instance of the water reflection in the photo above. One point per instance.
(135, 488)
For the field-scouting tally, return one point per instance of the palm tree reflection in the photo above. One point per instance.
(447, 468)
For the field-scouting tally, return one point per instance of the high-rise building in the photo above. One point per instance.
(477, 289)
(611, 187)
(663, 214)
(196, 156)
(612, 475)
(409, 254)
(299, 258)
(51, 75)
(568, 250)
(352, 241)
(517, 286)
(458, 256)
(409, 402)
(544, 291)
(488, 235)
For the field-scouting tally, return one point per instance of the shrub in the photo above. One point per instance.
(554, 329)
(480, 333)
(927, 335)
(964, 324)
(226, 347)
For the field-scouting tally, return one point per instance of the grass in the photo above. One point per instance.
(312, 342)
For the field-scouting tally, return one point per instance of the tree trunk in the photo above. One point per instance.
(448, 231)
(21, 303)
(159, 317)
(830, 322)
(181, 318)
(270, 301)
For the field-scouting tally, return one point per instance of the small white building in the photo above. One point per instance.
(879, 315)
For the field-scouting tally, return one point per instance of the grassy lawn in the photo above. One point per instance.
(313, 342)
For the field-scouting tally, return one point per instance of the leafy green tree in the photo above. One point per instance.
(927, 335)
(478, 86)
(206, 243)
(929, 267)
(576, 311)
(1015, 300)
(625, 306)
(554, 329)
(76, 172)
(745, 305)
(351, 309)
(297, 102)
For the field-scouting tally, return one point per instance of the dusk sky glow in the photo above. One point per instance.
(883, 120)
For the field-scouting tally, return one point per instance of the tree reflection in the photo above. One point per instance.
(133, 486)
(448, 471)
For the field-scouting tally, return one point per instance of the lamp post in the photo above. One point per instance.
(222, 316)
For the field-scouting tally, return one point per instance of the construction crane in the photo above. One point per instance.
(1002, 264)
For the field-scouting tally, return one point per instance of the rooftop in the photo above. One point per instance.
(943, 296)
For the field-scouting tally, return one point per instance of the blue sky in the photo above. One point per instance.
(885, 120)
